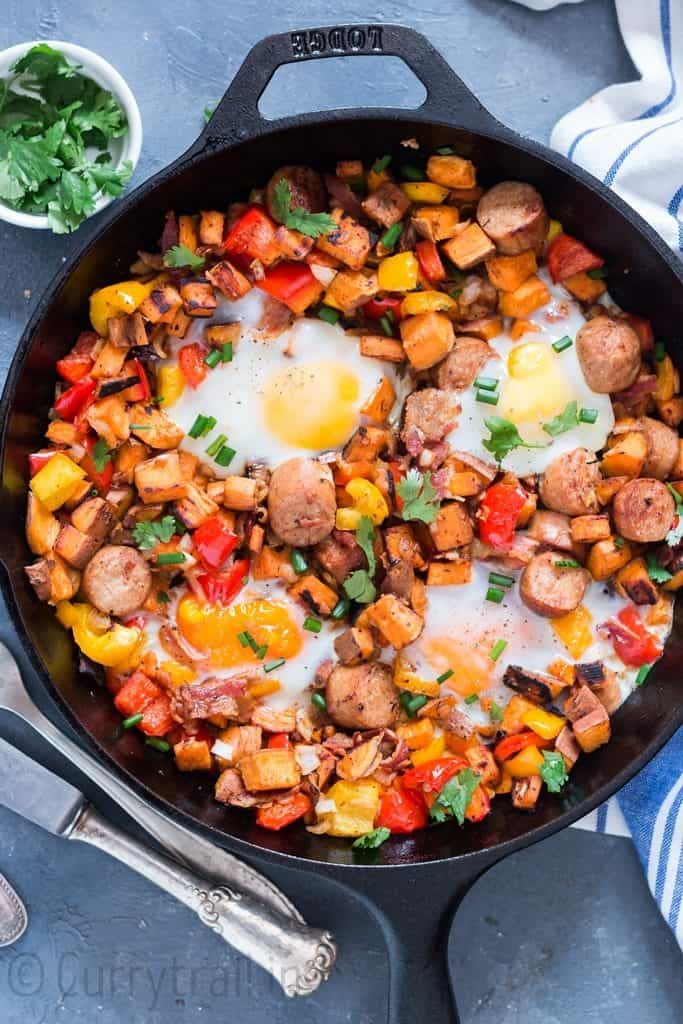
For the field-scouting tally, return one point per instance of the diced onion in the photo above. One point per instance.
(323, 274)
(325, 806)
(307, 758)
(223, 750)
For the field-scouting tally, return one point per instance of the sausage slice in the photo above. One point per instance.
(306, 189)
(643, 510)
(513, 215)
(550, 588)
(568, 484)
(117, 580)
(302, 502)
(362, 696)
(463, 363)
(662, 448)
(609, 354)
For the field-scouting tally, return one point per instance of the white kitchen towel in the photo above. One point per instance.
(631, 137)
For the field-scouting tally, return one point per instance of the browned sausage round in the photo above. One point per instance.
(552, 530)
(568, 484)
(362, 696)
(305, 187)
(463, 363)
(662, 448)
(643, 510)
(513, 215)
(117, 580)
(609, 354)
(550, 588)
(302, 502)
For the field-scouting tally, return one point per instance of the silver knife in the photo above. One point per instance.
(273, 933)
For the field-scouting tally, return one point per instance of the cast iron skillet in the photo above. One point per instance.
(421, 879)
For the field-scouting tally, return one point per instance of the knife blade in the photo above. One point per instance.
(35, 793)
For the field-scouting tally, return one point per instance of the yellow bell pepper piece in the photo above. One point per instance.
(544, 724)
(527, 762)
(263, 688)
(424, 191)
(406, 678)
(435, 749)
(398, 273)
(417, 734)
(357, 804)
(367, 499)
(575, 631)
(666, 379)
(103, 643)
(119, 299)
(427, 302)
(554, 229)
(347, 519)
(178, 673)
(56, 481)
(170, 385)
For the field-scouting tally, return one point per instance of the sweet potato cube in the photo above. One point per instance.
(94, 517)
(526, 791)
(606, 557)
(584, 288)
(188, 231)
(211, 224)
(671, 411)
(452, 171)
(350, 242)
(427, 339)
(315, 594)
(398, 624)
(486, 327)
(274, 768)
(627, 456)
(436, 223)
(448, 574)
(378, 346)
(593, 730)
(161, 305)
(633, 581)
(195, 508)
(525, 299)
(469, 247)
(387, 204)
(588, 529)
(198, 298)
(349, 289)
(380, 404)
(42, 527)
(483, 762)
(366, 444)
(452, 527)
(159, 479)
(510, 272)
(606, 489)
(230, 281)
(192, 756)
(242, 493)
(354, 645)
(402, 546)
(74, 547)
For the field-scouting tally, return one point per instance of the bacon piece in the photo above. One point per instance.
(210, 697)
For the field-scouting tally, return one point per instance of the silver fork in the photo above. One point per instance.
(261, 923)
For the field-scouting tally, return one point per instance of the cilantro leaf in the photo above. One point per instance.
(656, 572)
(675, 534)
(420, 501)
(359, 587)
(181, 256)
(101, 455)
(99, 117)
(107, 178)
(43, 61)
(365, 538)
(564, 421)
(148, 535)
(209, 111)
(553, 771)
(296, 217)
(74, 193)
(504, 438)
(453, 798)
(372, 839)
(28, 161)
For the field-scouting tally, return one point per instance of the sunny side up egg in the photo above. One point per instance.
(536, 383)
(299, 394)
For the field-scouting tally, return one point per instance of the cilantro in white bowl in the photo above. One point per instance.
(70, 135)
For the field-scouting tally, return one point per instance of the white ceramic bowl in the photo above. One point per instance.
(126, 148)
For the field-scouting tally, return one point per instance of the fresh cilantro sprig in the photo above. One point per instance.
(101, 454)
(359, 586)
(564, 421)
(656, 572)
(454, 797)
(55, 127)
(505, 438)
(181, 256)
(148, 535)
(675, 534)
(420, 500)
(296, 217)
(372, 839)
(553, 771)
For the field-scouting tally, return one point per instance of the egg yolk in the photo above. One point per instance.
(215, 629)
(534, 389)
(314, 406)
(470, 663)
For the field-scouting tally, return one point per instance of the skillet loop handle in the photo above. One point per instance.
(237, 116)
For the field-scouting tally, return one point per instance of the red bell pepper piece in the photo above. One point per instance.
(632, 642)
(221, 588)
(75, 399)
(101, 480)
(140, 392)
(137, 694)
(78, 362)
(498, 513)
(432, 776)
(253, 235)
(157, 718)
(376, 308)
(214, 543)
(568, 256)
(191, 362)
(643, 329)
(37, 460)
(402, 811)
(284, 811)
(430, 261)
(293, 283)
(512, 745)
(279, 741)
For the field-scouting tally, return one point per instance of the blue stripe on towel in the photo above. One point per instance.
(674, 208)
(614, 169)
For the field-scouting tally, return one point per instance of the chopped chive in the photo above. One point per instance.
(499, 579)
(488, 397)
(497, 649)
(227, 352)
(385, 324)
(389, 315)
(244, 638)
(216, 445)
(211, 422)
(170, 558)
(409, 172)
(588, 415)
(567, 563)
(445, 151)
(391, 235)
(597, 273)
(299, 562)
(563, 343)
(261, 652)
(618, 542)
(381, 163)
(161, 745)
(162, 597)
(486, 383)
(412, 702)
(495, 712)
(495, 595)
(270, 666)
(643, 673)
(312, 625)
(141, 426)
(225, 456)
(128, 723)
(444, 675)
(340, 609)
(197, 427)
(213, 358)
(472, 699)
(329, 315)
(318, 700)
(660, 351)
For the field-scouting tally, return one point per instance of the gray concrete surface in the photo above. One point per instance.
(565, 933)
